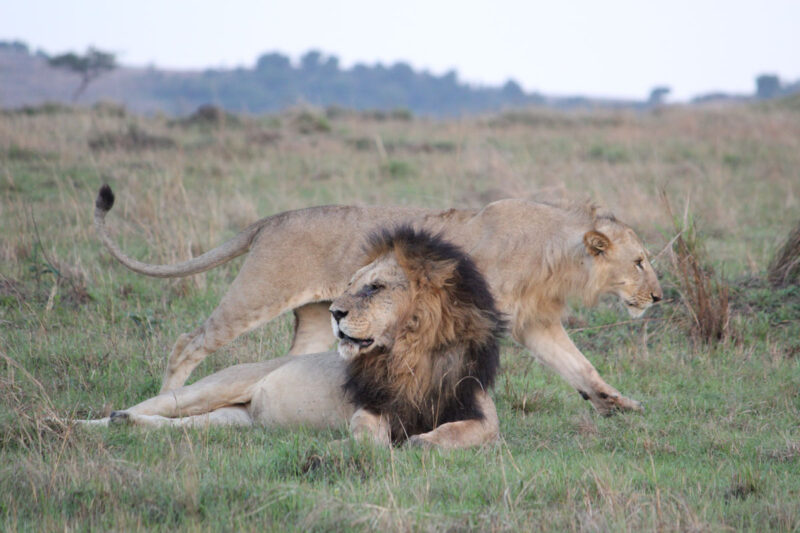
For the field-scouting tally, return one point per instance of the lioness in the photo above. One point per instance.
(418, 348)
(534, 256)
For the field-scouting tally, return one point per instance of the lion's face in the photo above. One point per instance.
(622, 259)
(365, 316)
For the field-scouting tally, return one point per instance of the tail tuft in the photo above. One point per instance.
(105, 198)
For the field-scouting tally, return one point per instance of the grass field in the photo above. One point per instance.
(717, 449)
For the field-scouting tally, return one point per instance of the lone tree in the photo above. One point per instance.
(89, 66)
(658, 95)
(768, 86)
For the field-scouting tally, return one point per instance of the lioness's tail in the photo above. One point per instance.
(219, 255)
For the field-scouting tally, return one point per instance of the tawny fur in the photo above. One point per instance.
(445, 347)
(534, 256)
(433, 353)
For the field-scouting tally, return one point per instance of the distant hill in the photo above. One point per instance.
(274, 83)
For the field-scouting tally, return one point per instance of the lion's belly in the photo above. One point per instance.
(306, 391)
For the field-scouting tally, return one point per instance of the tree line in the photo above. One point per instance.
(275, 83)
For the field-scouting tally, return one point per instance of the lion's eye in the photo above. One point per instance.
(371, 289)
(640, 264)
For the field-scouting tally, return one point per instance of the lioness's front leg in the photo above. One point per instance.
(312, 329)
(464, 433)
(552, 346)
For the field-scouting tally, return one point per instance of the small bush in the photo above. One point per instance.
(132, 139)
(208, 115)
(46, 108)
(609, 153)
(705, 295)
(21, 153)
(398, 169)
(110, 109)
(362, 144)
(335, 111)
(784, 269)
(307, 123)
(401, 114)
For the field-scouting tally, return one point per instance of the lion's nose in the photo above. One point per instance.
(338, 314)
(656, 297)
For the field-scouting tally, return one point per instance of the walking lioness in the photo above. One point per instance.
(534, 256)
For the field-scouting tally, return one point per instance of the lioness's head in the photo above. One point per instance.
(621, 265)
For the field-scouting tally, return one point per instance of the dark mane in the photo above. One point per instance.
(448, 349)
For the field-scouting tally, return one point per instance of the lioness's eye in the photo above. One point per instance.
(639, 264)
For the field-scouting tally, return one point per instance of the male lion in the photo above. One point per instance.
(418, 348)
(534, 256)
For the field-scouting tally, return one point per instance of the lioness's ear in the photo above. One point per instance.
(596, 243)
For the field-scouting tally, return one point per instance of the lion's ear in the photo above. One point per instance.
(439, 272)
(425, 272)
(596, 242)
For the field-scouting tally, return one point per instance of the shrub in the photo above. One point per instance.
(704, 294)
(307, 122)
(208, 115)
(134, 138)
(784, 269)
(398, 169)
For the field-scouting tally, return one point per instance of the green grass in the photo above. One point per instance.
(718, 447)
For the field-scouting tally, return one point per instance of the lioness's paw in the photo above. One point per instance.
(629, 404)
(120, 418)
(608, 405)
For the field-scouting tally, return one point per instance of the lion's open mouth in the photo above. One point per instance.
(361, 343)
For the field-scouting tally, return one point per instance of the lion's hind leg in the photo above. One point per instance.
(224, 416)
(231, 386)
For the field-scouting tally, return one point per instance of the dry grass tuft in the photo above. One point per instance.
(132, 139)
(208, 116)
(743, 485)
(784, 269)
(705, 294)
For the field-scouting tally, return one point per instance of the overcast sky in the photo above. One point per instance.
(558, 47)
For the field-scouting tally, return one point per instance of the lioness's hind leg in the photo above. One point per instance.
(312, 333)
(261, 291)
(227, 322)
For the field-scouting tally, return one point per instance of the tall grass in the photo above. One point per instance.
(784, 268)
(704, 293)
(717, 449)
